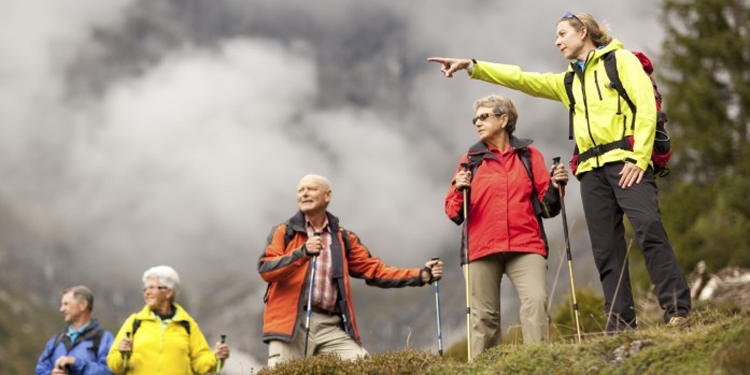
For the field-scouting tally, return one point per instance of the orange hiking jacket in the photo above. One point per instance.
(286, 269)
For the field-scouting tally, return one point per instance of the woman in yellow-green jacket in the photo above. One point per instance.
(164, 339)
(616, 176)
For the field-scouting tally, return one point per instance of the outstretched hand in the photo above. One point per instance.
(450, 65)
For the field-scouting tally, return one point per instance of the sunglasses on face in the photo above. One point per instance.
(484, 116)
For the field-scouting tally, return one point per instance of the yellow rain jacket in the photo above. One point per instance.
(601, 116)
(163, 348)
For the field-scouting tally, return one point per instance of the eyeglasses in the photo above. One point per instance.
(152, 287)
(484, 116)
(568, 15)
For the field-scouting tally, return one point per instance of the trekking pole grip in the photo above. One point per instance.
(465, 168)
(436, 278)
(220, 363)
(556, 161)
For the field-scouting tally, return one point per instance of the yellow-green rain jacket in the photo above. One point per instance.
(596, 121)
(163, 348)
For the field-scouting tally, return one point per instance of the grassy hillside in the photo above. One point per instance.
(713, 342)
(25, 327)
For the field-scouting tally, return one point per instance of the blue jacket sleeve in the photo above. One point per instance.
(83, 366)
(46, 363)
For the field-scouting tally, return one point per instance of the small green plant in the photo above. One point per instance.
(590, 308)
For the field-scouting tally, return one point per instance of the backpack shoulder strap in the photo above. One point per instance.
(525, 155)
(96, 338)
(288, 235)
(58, 339)
(136, 325)
(610, 66)
(568, 81)
(345, 237)
(185, 324)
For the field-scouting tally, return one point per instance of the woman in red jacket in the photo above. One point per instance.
(508, 183)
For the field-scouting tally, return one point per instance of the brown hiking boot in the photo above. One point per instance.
(677, 321)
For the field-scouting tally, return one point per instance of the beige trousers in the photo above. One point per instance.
(528, 273)
(326, 336)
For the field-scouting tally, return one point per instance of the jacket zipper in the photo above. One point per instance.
(585, 102)
(624, 125)
(596, 81)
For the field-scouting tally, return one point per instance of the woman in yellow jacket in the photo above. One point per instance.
(615, 177)
(164, 339)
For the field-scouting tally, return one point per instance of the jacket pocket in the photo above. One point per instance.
(596, 83)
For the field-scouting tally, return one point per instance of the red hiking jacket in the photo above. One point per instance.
(501, 215)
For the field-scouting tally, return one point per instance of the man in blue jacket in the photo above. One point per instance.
(82, 348)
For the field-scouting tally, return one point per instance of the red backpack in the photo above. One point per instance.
(662, 149)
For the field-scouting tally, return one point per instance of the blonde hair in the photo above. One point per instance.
(500, 105)
(599, 33)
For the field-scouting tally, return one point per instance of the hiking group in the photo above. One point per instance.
(501, 191)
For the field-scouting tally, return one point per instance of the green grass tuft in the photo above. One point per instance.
(713, 342)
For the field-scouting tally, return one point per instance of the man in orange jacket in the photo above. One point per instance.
(286, 263)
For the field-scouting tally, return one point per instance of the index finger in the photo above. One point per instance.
(436, 59)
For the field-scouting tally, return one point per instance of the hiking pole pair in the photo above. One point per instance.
(437, 310)
(309, 297)
(126, 357)
(465, 191)
(220, 363)
(556, 161)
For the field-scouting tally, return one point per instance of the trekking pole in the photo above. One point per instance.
(220, 363)
(437, 309)
(309, 297)
(125, 357)
(465, 168)
(556, 161)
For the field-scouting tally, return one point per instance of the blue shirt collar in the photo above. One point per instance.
(74, 333)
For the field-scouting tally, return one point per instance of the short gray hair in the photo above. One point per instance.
(503, 105)
(82, 293)
(167, 277)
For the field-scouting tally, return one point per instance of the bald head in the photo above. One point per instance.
(313, 194)
(315, 178)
